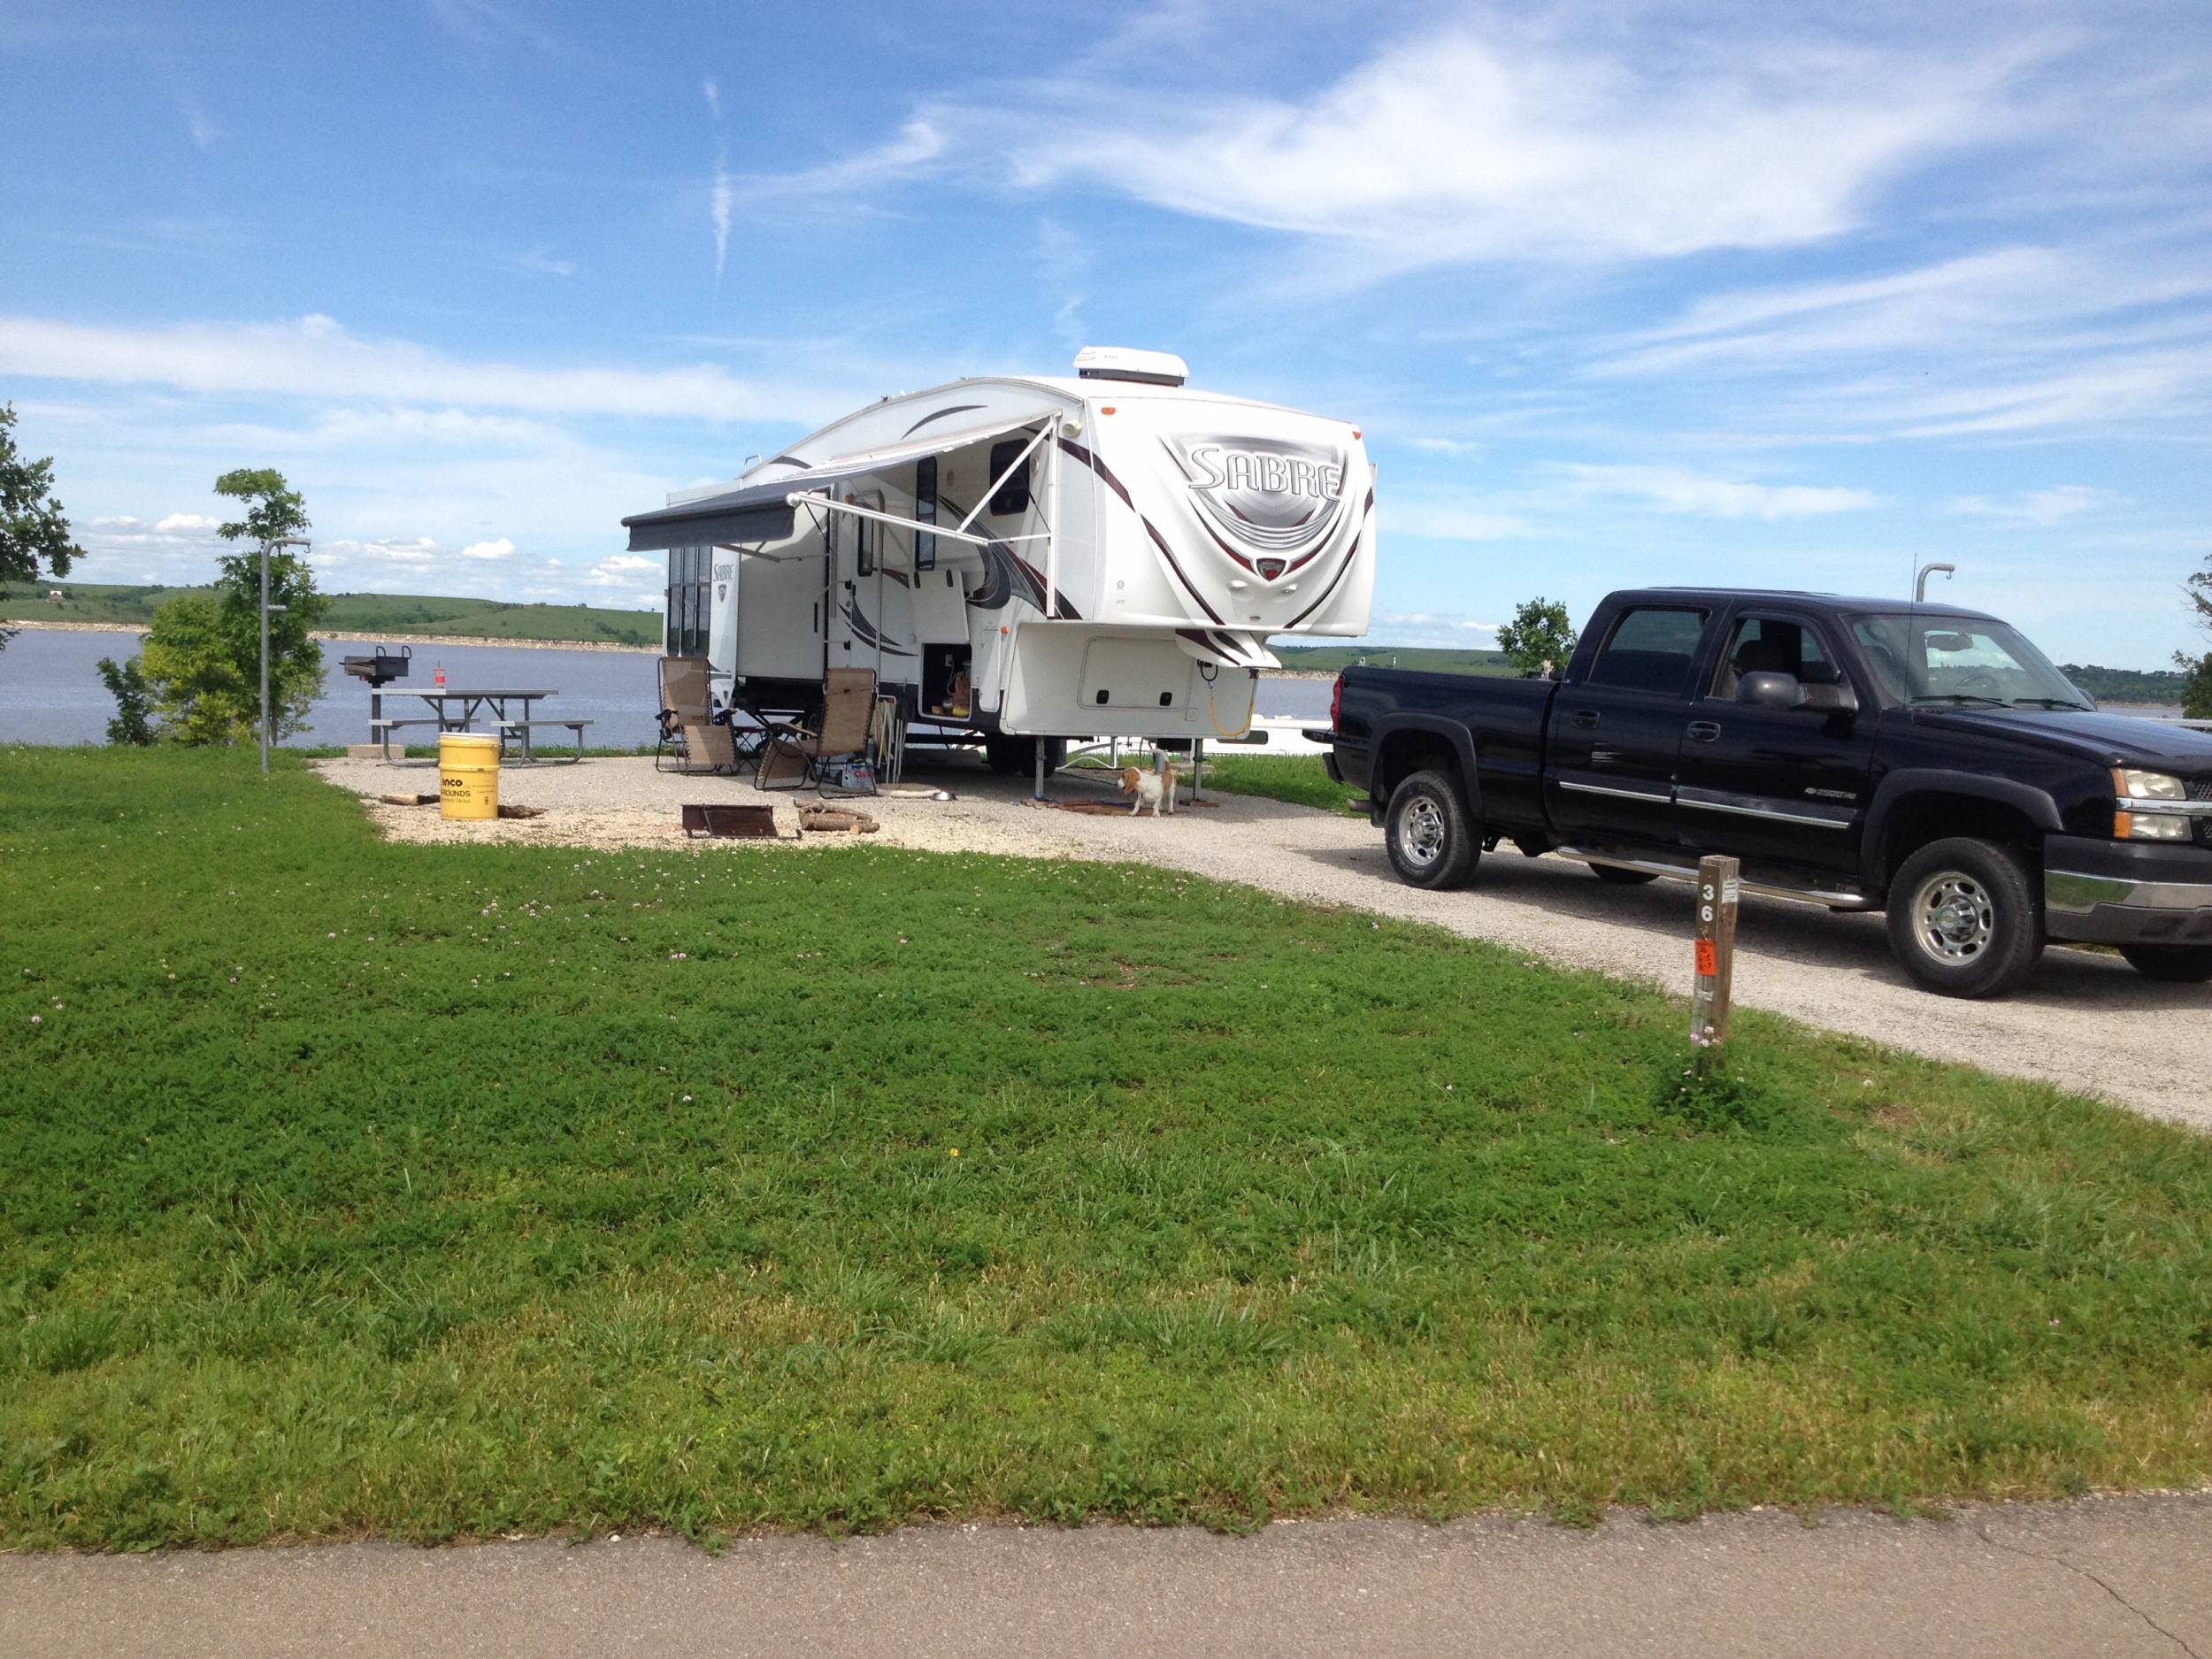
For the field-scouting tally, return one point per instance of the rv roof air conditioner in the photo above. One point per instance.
(1125, 363)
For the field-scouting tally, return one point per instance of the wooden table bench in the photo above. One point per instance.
(523, 728)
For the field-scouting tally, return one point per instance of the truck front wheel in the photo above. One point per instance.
(1425, 829)
(2176, 964)
(1962, 918)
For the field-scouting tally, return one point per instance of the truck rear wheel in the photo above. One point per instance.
(2176, 964)
(1962, 918)
(1426, 832)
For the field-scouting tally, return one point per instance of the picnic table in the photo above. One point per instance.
(453, 708)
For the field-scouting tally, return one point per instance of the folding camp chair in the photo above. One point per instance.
(795, 756)
(686, 704)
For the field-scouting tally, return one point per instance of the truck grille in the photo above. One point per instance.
(2201, 788)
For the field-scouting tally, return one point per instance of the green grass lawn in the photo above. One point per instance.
(1299, 780)
(440, 1191)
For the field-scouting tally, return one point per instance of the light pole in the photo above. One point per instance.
(282, 541)
(1920, 582)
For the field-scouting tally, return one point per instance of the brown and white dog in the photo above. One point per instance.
(1147, 789)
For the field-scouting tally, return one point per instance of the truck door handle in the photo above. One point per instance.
(1704, 731)
(1586, 719)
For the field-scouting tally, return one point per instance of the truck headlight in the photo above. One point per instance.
(2148, 786)
(2150, 826)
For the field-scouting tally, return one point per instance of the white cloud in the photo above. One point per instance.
(188, 523)
(1678, 490)
(502, 548)
(541, 261)
(2040, 508)
(1454, 147)
(621, 570)
(1430, 628)
(713, 96)
(316, 357)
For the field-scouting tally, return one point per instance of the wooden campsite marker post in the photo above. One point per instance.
(1718, 890)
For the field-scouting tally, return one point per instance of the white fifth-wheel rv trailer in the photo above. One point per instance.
(1024, 558)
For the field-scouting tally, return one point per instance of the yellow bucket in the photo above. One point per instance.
(468, 775)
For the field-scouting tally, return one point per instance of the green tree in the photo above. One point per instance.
(1539, 639)
(2196, 688)
(33, 530)
(202, 657)
(133, 725)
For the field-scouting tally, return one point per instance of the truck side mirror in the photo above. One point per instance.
(1832, 699)
(1766, 689)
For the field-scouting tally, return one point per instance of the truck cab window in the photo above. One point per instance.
(1651, 648)
(1773, 645)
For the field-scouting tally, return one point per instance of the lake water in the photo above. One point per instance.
(51, 692)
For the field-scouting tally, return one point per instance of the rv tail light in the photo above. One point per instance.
(1336, 701)
(1107, 409)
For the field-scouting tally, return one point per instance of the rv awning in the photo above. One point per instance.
(1224, 649)
(763, 512)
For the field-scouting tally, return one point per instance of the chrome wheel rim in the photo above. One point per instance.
(1421, 831)
(1954, 917)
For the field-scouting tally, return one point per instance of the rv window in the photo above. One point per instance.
(863, 546)
(1013, 494)
(925, 512)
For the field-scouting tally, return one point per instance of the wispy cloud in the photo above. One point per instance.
(2038, 508)
(719, 192)
(196, 124)
(484, 23)
(1673, 489)
(541, 261)
(317, 356)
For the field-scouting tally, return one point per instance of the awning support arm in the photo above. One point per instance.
(802, 498)
(1020, 461)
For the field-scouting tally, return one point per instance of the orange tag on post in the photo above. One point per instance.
(1708, 959)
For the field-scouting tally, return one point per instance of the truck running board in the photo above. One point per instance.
(1839, 899)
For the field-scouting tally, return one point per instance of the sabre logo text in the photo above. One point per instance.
(1272, 497)
(1220, 468)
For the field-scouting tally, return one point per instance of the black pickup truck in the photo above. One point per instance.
(1862, 754)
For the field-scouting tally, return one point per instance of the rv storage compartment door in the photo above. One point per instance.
(1133, 674)
(779, 618)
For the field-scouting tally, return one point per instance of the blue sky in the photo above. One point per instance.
(1621, 292)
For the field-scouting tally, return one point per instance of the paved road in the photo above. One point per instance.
(2113, 1577)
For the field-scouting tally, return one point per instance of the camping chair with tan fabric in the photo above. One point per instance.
(793, 756)
(685, 705)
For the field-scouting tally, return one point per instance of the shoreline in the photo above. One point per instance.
(328, 636)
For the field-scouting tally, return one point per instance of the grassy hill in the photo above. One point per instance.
(1328, 658)
(2125, 685)
(367, 615)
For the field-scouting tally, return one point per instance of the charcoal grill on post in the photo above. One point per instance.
(377, 668)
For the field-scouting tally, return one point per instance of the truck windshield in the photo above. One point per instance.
(1939, 659)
